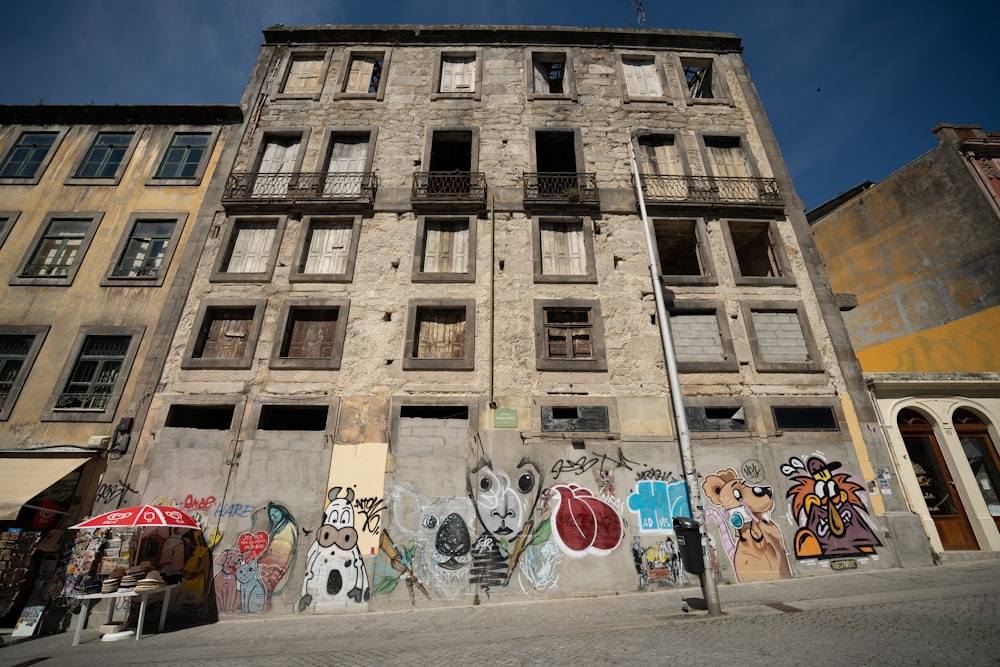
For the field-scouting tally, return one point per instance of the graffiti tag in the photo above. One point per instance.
(107, 493)
(370, 510)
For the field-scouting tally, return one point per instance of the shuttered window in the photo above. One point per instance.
(439, 333)
(225, 332)
(329, 247)
(364, 74)
(348, 159)
(641, 77)
(277, 162)
(304, 74)
(563, 248)
(458, 74)
(446, 246)
(569, 333)
(251, 247)
(726, 156)
(658, 155)
(311, 333)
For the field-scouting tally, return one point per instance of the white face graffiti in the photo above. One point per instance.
(504, 502)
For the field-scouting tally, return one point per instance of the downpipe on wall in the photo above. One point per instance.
(709, 587)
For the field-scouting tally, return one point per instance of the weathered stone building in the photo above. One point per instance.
(420, 363)
(920, 251)
(99, 211)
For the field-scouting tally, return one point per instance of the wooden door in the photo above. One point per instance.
(936, 483)
(982, 456)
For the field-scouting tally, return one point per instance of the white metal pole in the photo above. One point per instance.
(708, 585)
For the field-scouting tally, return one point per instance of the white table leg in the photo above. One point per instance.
(163, 612)
(79, 624)
(142, 616)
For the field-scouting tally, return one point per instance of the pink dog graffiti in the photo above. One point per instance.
(227, 592)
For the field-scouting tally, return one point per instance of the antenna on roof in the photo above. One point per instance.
(640, 13)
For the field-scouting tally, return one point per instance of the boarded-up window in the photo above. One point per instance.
(446, 246)
(303, 74)
(364, 74)
(439, 333)
(458, 74)
(224, 333)
(251, 247)
(641, 77)
(727, 157)
(780, 337)
(569, 333)
(311, 333)
(563, 248)
(697, 337)
(329, 247)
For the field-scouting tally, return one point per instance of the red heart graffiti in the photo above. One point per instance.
(252, 545)
(583, 523)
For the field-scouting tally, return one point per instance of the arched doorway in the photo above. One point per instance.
(936, 485)
(982, 456)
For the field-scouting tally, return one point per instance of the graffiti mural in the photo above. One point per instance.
(829, 509)
(582, 523)
(659, 563)
(742, 514)
(336, 576)
(657, 502)
(227, 588)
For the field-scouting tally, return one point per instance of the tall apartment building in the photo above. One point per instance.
(920, 249)
(420, 363)
(98, 206)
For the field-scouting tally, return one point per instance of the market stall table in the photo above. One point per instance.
(88, 601)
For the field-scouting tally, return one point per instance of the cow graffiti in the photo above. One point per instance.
(335, 572)
(829, 510)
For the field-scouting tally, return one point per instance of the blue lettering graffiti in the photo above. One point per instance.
(234, 509)
(657, 503)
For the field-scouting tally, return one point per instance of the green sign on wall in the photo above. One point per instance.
(505, 418)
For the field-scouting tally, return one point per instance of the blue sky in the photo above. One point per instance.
(889, 70)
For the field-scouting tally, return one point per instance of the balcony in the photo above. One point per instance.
(459, 188)
(565, 189)
(710, 190)
(301, 188)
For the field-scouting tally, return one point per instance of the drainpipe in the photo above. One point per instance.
(493, 251)
(708, 585)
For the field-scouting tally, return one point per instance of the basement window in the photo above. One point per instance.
(809, 418)
(293, 417)
(434, 412)
(575, 418)
(208, 417)
(716, 418)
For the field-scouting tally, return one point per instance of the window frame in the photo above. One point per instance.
(729, 363)
(212, 131)
(599, 362)
(92, 136)
(587, 225)
(418, 275)
(413, 363)
(297, 273)
(330, 136)
(205, 308)
(38, 334)
(695, 407)
(577, 133)
(9, 220)
(768, 404)
(782, 266)
(703, 248)
(111, 280)
(51, 413)
(60, 133)
(94, 220)
(345, 70)
(704, 139)
(720, 89)
(286, 68)
(439, 57)
(569, 76)
(259, 145)
(659, 69)
(288, 309)
(815, 362)
(538, 429)
(220, 272)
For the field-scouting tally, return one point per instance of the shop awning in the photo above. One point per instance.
(23, 478)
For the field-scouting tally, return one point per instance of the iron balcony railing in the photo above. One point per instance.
(318, 186)
(449, 186)
(82, 401)
(709, 189)
(556, 187)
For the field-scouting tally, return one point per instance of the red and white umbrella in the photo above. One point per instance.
(144, 515)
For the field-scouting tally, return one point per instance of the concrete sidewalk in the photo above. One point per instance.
(244, 640)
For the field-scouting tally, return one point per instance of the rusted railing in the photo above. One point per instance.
(560, 187)
(707, 189)
(302, 186)
(455, 186)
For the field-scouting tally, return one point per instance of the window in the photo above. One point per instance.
(225, 334)
(574, 419)
(550, 76)
(779, 338)
(19, 346)
(347, 164)
(563, 250)
(363, 75)
(683, 252)
(440, 334)
(977, 445)
(106, 157)
(569, 335)
(327, 250)
(7, 220)
(29, 155)
(659, 156)
(249, 250)
(457, 74)
(305, 75)
(716, 418)
(558, 162)
(144, 252)
(311, 334)
(804, 418)
(185, 155)
(279, 160)
(208, 417)
(702, 343)
(445, 249)
(453, 152)
(701, 80)
(275, 417)
(726, 157)
(58, 249)
(756, 253)
(641, 74)
(93, 381)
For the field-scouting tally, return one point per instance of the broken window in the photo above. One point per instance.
(364, 73)
(754, 251)
(804, 418)
(716, 418)
(680, 248)
(548, 73)
(148, 244)
(556, 163)
(451, 162)
(569, 335)
(575, 418)
(699, 77)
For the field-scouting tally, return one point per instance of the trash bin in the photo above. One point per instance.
(689, 543)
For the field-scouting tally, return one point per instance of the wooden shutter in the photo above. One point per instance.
(541, 77)
(359, 78)
(329, 248)
(458, 74)
(727, 159)
(446, 246)
(278, 158)
(641, 78)
(303, 75)
(348, 155)
(440, 334)
(569, 333)
(563, 248)
(252, 248)
(227, 334)
(313, 333)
